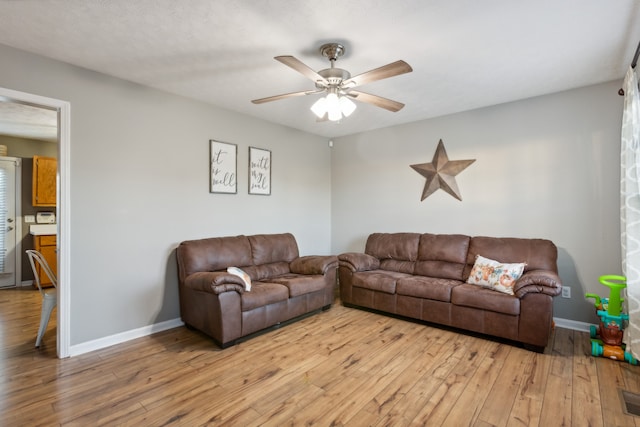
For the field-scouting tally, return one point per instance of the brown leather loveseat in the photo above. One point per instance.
(283, 284)
(424, 276)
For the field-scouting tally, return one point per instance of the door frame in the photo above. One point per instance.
(62, 207)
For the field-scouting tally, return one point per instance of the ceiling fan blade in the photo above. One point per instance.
(384, 72)
(303, 69)
(376, 100)
(284, 95)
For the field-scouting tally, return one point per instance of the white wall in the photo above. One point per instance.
(139, 186)
(545, 167)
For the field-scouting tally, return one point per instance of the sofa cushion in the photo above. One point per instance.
(474, 296)
(263, 293)
(495, 275)
(427, 287)
(267, 271)
(269, 248)
(213, 254)
(538, 254)
(378, 280)
(300, 284)
(398, 246)
(442, 255)
(398, 266)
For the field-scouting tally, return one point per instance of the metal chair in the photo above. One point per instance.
(49, 296)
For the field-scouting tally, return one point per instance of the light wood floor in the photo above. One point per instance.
(340, 367)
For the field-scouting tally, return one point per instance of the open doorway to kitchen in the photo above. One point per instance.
(61, 111)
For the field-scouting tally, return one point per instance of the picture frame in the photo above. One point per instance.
(223, 163)
(259, 171)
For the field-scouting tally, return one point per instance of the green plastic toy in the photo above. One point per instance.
(606, 339)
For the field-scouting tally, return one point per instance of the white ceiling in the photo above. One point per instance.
(27, 121)
(465, 54)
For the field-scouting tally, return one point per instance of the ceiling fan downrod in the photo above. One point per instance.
(334, 76)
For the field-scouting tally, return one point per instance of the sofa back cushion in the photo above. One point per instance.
(442, 256)
(216, 253)
(538, 254)
(271, 248)
(396, 251)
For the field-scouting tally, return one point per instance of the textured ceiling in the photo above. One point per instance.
(465, 54)
(26, 121)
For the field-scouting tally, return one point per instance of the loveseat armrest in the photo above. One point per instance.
(538, 281)
(313, 264)
(215, 282)
(357, 261)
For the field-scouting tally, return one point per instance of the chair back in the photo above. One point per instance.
(36, 257)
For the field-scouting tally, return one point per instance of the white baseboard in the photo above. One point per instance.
(101, 343)
(572, 324)
(26, 283)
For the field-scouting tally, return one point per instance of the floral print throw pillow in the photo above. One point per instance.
(495, 275)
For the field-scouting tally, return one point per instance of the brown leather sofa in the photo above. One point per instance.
(423, 276)
(284, 285)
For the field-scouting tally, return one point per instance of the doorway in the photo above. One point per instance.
(62, 207)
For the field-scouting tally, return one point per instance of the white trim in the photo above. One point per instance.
(122, 337)
(572, 324)
(63, 207)
(64, 230)
(18, 221)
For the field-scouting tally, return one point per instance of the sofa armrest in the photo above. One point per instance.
(538, 281)
(215, 282)
(357, 261)
(313, 264)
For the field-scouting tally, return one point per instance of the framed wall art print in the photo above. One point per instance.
(259, 171)
(223, 172)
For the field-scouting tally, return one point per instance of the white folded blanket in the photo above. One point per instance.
(241, 274)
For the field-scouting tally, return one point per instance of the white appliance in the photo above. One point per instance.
(45, 218)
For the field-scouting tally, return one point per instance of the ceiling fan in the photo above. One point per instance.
(339, 85)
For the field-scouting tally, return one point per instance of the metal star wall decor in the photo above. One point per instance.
(441, 172)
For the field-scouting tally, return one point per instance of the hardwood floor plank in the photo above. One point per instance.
(527, 406)
(417, 365)
(496, 410)
(478, 388)
(379, 370)
(611, 381)
(442, 401)
(285, 412)
(586, 402)
(447, 353)
(556, 407)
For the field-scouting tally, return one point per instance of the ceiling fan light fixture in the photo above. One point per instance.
(334, 110)
(347, 106)
(319, 107)
(333, 106)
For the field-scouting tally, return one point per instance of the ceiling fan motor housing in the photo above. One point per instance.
(334, 76)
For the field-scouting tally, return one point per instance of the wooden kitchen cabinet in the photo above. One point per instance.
(46, 245)
(44, 181)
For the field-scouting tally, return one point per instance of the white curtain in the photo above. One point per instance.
(630, 207)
